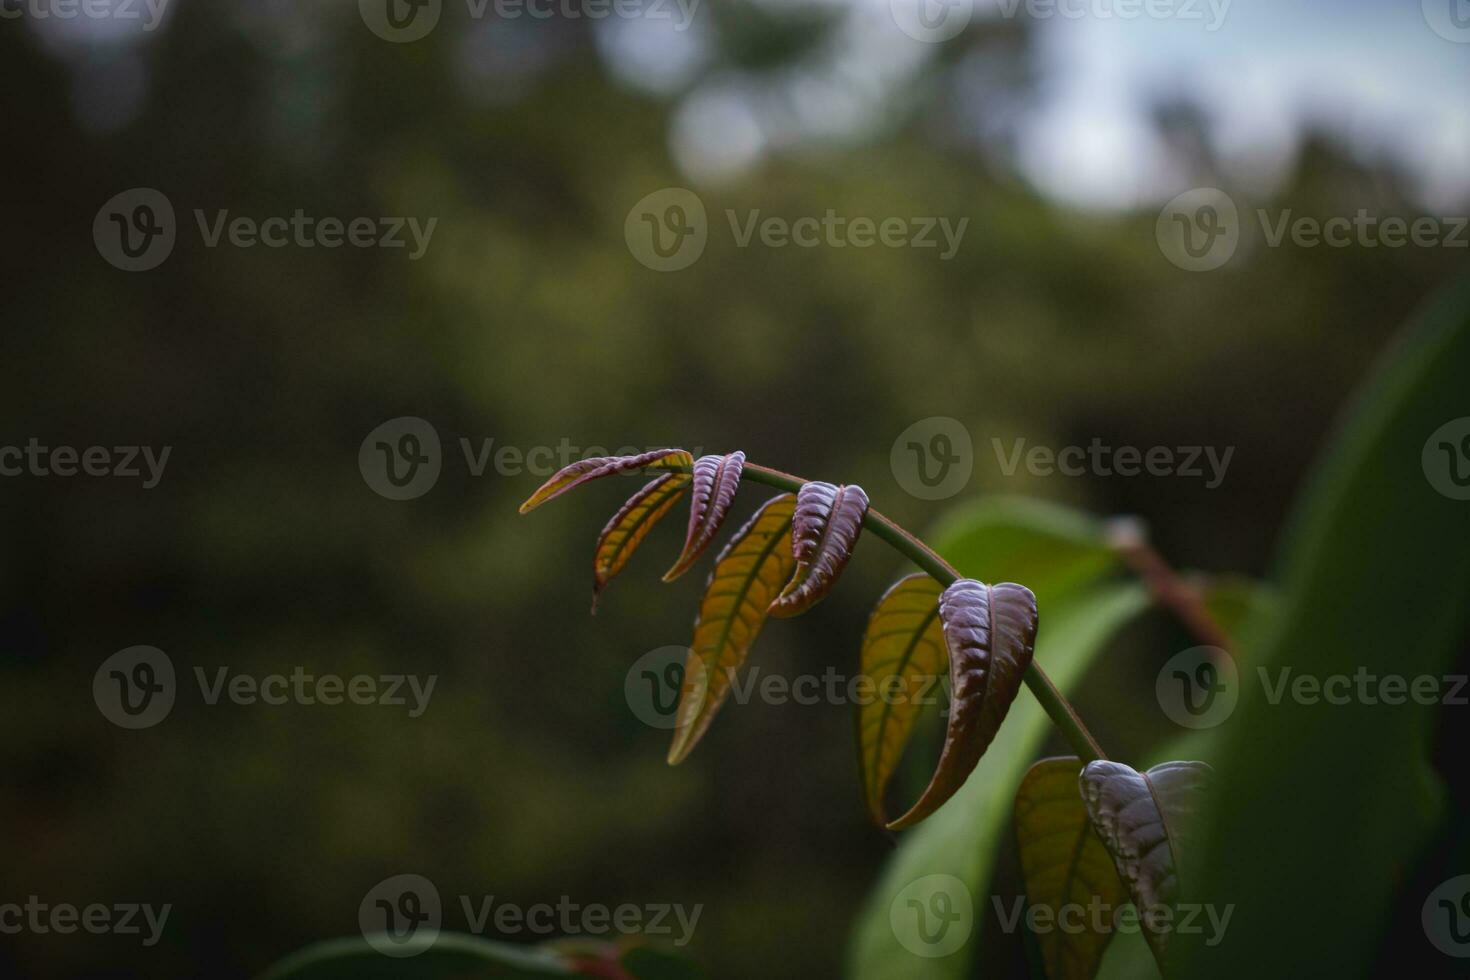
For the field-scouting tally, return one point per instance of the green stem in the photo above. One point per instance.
(1057, 707)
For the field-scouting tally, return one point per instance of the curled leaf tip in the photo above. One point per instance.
(715, 481)
(823, 534)
(595, 467)
(990, 635)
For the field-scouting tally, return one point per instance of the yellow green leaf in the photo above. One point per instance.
(748, 574)
(1067, 870)
(903, 655)
(596, 467)
(631, 524)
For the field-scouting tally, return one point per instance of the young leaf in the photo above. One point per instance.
(1148, 822)
(586, 470)
(823, 532)
(747, 575)
(904, 640)
(631, 524)
(716, 478)
(990, 633)
(1066, 867)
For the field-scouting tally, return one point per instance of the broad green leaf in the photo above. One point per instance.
(748, 574)
(903, 656)
(716, 478)
(990, 636)
(1066, 867)
(1336, 801)
(963, 838)
(631, 524)
(823, 533)
(1052, 549)
(446, 956)
(587, 470)
(1149, 822)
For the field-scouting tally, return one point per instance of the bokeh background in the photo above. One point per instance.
(528, 321)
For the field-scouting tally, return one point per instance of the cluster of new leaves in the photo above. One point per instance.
(1101, 834)
(785, 560)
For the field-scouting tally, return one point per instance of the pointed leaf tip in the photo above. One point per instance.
(716, 479)
(823, 534)
(903, 652)
(747, 575)
(990, 634)
(595, 467)
(631, 524)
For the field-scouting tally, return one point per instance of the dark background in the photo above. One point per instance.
(529, 322)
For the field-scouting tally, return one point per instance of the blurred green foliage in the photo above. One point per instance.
(528, 322)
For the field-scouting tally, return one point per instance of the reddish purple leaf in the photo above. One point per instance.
(716, 478)
(823, 534)
(990, 633)
(586, 470)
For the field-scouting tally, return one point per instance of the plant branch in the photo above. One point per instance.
(1057, 707)
(1130, 540)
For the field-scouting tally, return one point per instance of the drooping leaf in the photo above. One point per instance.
(990, 634)
(596, 467)
(1067, 869)
(1149, 822)
(716, 478)
(903, 651)
(964, 838)
(631, 524)
(823, 532)
(747, 575)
